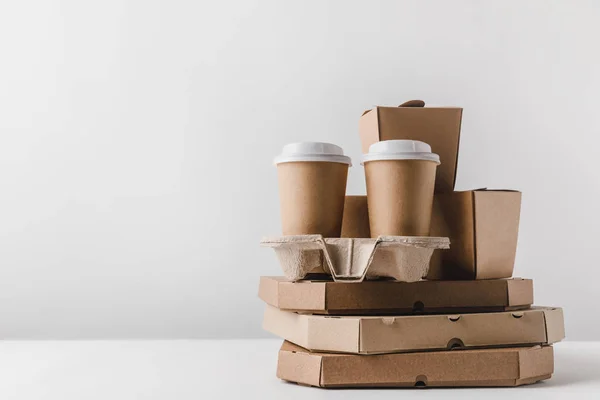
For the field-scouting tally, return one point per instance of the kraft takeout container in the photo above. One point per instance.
(403, 258)
(482, 225)
(437, 126)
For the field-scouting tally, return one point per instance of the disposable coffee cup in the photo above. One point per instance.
(312, 186)
(400, 177)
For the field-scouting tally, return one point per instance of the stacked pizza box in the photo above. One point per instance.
(410, 285)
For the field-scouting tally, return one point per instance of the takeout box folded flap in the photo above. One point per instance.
(403, 258)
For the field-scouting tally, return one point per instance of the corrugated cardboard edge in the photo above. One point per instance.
(298, 365)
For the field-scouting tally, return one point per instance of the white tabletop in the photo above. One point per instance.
(236, 369)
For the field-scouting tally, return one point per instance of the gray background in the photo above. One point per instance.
(136, 140)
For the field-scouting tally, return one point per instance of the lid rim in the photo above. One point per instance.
(312, 152)
(401, 156)
(364, 162)
(339, 159)
(403, 149)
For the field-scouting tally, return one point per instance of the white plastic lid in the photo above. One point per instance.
(312, 151)
(400, 150)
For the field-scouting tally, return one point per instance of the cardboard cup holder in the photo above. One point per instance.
(402, 258)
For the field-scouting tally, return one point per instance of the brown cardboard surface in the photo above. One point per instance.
(356, 218)
(407, 333)
(555, 326)
(437, 126)
(400, 194)
(483, 228)
(403, 258)
(311, 197)
(482, 367)
(385, 297)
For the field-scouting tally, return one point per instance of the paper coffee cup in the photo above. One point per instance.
(400, 177)
(312, 187)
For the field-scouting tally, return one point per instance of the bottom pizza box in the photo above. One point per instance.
(513, 366)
